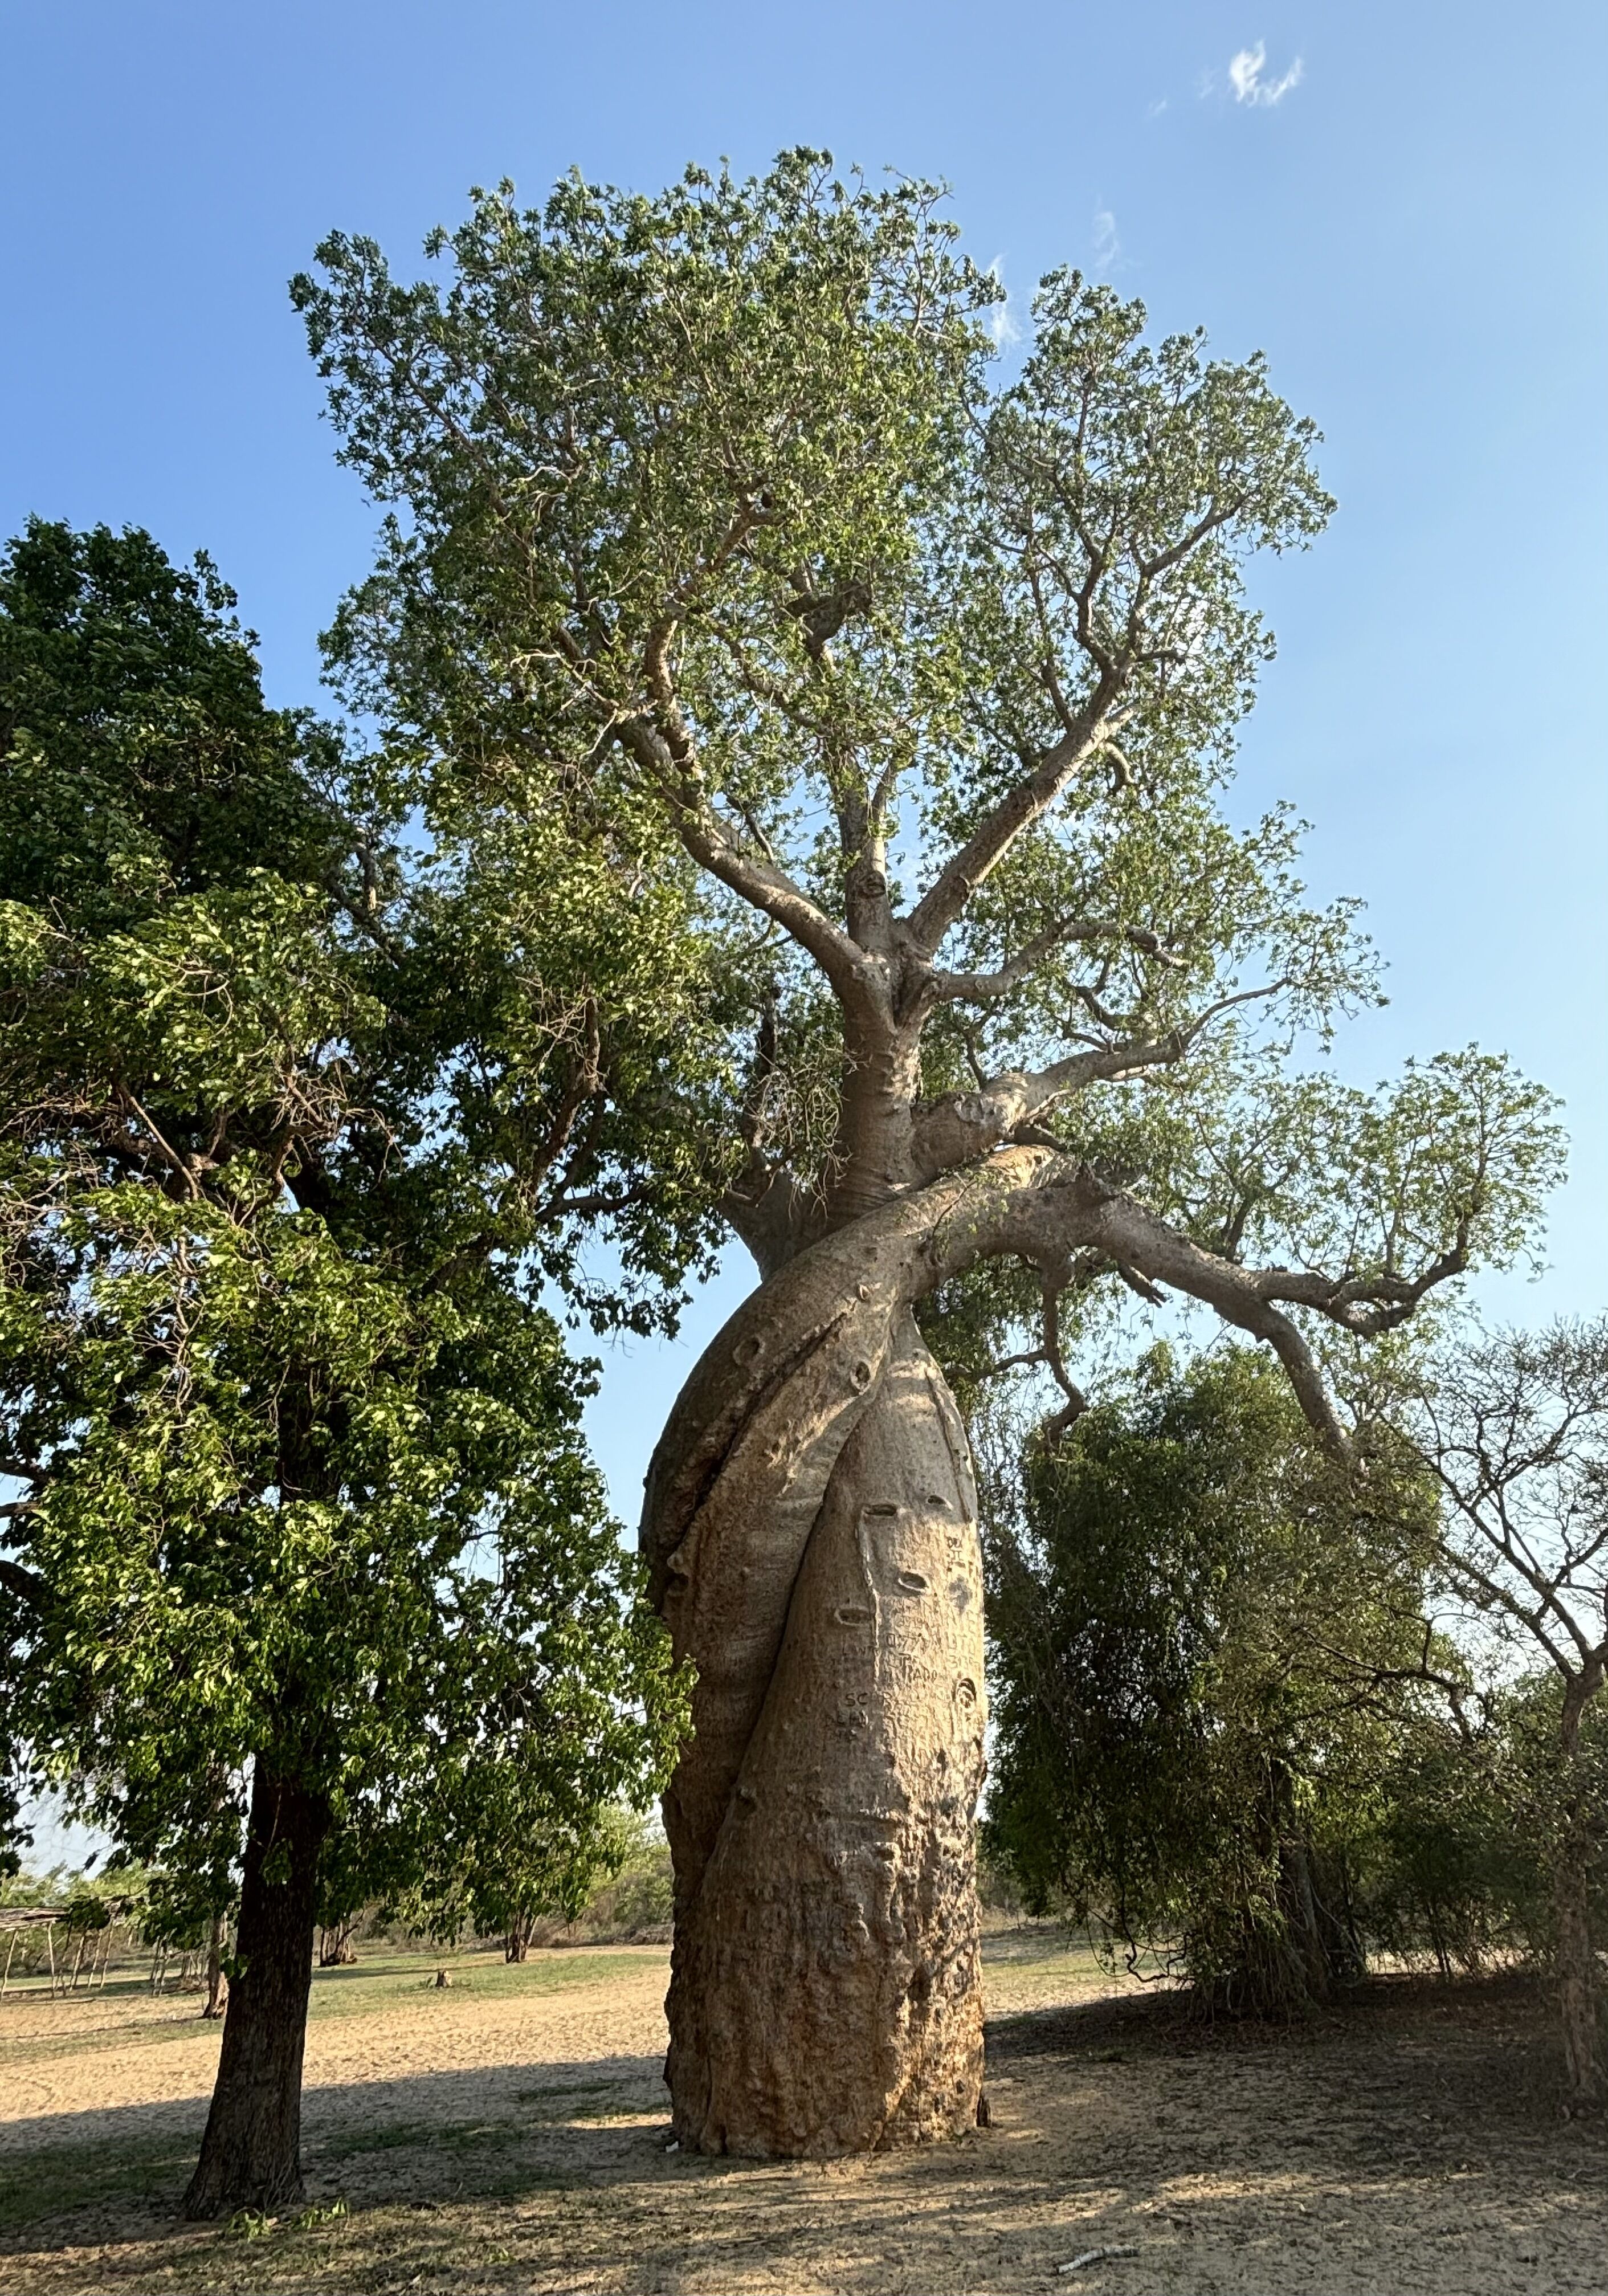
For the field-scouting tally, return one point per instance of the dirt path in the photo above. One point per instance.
(511, 2134)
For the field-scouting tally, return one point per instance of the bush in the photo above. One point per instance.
(1207, 1658)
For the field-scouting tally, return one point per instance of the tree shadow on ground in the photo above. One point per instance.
(1414, 2140)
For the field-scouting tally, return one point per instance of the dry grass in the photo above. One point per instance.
(509, 2133)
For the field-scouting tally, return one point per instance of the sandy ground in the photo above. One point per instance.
(510, 2133)
(81, 2071)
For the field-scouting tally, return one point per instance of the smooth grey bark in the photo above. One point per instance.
(825, 1990)
(810, 1530)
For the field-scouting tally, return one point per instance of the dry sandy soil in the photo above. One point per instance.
(510, 2133)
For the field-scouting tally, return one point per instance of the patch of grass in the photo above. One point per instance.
(132, 2033)
(539, 2108)
(311, 2219)
(52, 2180)
(457, 2137)
(371, 1986)
(250, 2224)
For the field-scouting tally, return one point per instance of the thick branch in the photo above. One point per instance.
(668, 758)
(774, 1217)
(982, 987)
(1022, 805)
(1366, 1305)
(965, 1126)
(1088, 1211)
(27, 1586)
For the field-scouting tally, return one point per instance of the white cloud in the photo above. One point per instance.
(999, 321)
(1246, 76)
(1108, 247)
(1154, 111)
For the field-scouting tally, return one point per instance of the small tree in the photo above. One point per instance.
(1516, 1430)
(1208, 1655)
(507, 1876)
(310, 1554)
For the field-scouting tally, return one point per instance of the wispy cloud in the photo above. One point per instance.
(1108, 247)
(1000, 321)
(1246, 76)
(1154, 111)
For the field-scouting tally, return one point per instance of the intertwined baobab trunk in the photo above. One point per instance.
(724, 476)
(810, 1527)
(812, 1521)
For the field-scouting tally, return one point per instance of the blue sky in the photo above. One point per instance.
(1405, 207)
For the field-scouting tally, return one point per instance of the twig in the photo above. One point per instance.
(1094, 2256)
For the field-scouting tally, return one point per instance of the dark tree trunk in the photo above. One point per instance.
(250, 2156)
(1312, 1897)
(1577, 1982)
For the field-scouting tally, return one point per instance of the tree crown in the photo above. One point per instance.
(715, 522)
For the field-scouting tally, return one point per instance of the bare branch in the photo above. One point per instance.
(27, 1586)
(962, 1126)
(663, 747)
(982, 987)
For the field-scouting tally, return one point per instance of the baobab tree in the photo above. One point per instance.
(716, 524)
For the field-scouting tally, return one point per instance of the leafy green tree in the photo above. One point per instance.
(294, 1121)
(507, 1879)
(709, 509)
(1453, 1868)
(1212, 1647)
(1514, 1428)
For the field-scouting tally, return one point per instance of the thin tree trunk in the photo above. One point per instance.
(827, 1582)
(217, 1983)
(250, 2156)
(1576, 1978)
(335, 1948)
(1576, 1961)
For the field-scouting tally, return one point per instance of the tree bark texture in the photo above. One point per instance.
(1577, 1980)
(811, 1522)
(1575, 1962)
(810, 1530)
(250, 2155)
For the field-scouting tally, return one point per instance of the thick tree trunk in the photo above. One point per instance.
(812, 1519)
(335, 1947)
(250, 2156)
(810, 1530)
